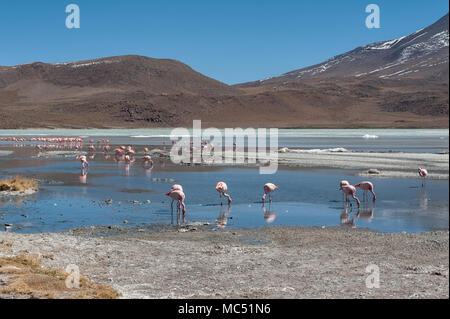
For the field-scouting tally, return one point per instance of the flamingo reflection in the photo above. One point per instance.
(269, 214)
(222, 220)
(346, 219)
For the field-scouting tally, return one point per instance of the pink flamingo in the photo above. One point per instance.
(343, 183)
(179, 196)
(367, 186)
(84, 162)
(118, 151)
(268, 188)
(175, 187)
(147, 159)
(130, 151)
(128, 159)
(222, 188)
(350, 190)
(423, 174)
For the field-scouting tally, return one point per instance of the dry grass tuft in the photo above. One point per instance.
(18, 184)
(26, 278)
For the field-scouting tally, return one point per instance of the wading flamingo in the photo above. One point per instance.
(423, 174)
(179, 197)
(147, 159)
(84, 162)
(350, 190)
(222, 188)
(343, 183)
(268, 188)
(367, 186)
(175, 187)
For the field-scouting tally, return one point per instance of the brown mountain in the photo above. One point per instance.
(397, 83)
(391, 80)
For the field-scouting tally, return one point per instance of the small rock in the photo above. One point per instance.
(125, 221)
(373, 171)
(109, 201)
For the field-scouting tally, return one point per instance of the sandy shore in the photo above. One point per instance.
(388, 164)
(289, 262)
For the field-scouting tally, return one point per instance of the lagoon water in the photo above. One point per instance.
(305, 197)
(405, 140)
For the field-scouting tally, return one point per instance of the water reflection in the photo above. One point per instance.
(346, 219)
(423, 199)
(269, 214)
(366, 212)
(83, 175)
(222, 220)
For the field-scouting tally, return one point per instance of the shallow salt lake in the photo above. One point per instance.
(305, 198)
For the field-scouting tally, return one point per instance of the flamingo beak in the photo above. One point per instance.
(168, 194)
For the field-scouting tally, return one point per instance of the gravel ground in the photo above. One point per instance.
(288, 262)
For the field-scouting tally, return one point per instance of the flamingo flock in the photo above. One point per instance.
(46, 143)
(126, 154)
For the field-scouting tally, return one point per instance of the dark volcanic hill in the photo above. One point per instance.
(397, 83)
(115, 91)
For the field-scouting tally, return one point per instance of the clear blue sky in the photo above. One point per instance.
(232, 41)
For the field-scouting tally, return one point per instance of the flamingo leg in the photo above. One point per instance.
(373, 194)
(356, 199)
(228, 197)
